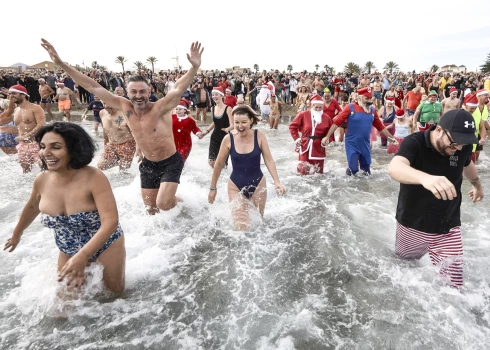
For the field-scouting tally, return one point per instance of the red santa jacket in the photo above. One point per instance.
(304, 124)
(182, 128)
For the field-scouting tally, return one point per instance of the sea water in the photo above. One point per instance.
(318, 272)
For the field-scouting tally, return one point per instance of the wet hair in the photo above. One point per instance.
(80, 145)
(138, 78)
(248, 111)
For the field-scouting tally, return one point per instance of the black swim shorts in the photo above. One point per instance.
(167, 170)
(46, 100)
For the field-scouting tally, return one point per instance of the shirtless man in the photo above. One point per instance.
(46, 92)
(451, 102)
(377, 92)
(319, 85)
(29, 118)
(63, 97)
(119, 144)
(151, 125)
(8, 129)
(364, 82)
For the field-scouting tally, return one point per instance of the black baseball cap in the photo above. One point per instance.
(460, 125)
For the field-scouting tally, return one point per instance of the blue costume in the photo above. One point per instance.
(357, 146)
(73, 231)
(246, 173)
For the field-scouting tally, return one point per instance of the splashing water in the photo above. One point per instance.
(318, 272)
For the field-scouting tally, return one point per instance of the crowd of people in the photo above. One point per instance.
(436, 125)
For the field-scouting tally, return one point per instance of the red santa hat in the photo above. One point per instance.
(400, 113)
(452, 90)
(316, 99)
(19, 88)
(228, 89)
(481, 92)
(60, 83)
(219, 90)
(471, 100)
(366, 92)
(390, 99)
(182, 105)
(270, 86)
(264, 85)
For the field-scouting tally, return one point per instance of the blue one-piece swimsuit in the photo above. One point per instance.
(73, 231)
(246, 173)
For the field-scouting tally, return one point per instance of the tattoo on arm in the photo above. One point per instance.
(475, 181)
(128, 113)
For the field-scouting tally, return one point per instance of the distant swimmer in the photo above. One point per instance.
(63, 94)
(46, 94)
(29, 118)
(119, 144)
(245, 146)
(430, 166)
(151, 125)
(77, 202)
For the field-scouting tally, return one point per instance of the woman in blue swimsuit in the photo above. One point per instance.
(245, 146)
(75, 200)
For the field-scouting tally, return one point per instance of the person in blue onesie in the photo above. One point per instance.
(360, 118)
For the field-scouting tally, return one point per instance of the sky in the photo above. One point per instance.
(272, 34)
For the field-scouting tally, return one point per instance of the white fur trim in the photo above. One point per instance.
(19, 91)
(218, 92)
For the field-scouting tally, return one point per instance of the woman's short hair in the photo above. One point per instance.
(80, 145)
(248, 111)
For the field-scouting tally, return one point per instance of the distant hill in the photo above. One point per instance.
(23, 65)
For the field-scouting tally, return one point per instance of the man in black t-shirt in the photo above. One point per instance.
(430, 167)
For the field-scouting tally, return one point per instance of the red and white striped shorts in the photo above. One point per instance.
(445, 250)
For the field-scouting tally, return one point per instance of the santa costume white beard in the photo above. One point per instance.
(317, 116)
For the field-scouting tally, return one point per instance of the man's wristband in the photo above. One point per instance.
(213, 188)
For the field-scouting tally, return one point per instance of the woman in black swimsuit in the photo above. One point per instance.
(222, 124)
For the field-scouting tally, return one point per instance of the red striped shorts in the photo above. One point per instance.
(445, 250)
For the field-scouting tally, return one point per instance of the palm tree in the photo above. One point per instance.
(139, 65)
(317, 66)
(152, 60)
(369, 66)
(102, 68)
(256, 67)
(120, 60)
(391, 66)
(434, 68)
(352, 67)
(95, 65)
(290, 68)
(328, 69)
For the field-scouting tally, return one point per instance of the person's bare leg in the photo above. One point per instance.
(48, 109)
(198, 113)
(96, 126)
(239, 208)
(259, 198)
(166, 199)
(271, 122)
(149, 196)
(68, 115)
(114, 261)
(9, 150)
(276, 122)
(341, 134)
(43, 106)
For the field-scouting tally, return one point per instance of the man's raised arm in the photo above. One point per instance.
(172, 98)
(86, 82)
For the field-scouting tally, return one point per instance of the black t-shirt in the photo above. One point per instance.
(417, 207)
(448, 87)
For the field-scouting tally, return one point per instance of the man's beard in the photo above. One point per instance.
(317, 116)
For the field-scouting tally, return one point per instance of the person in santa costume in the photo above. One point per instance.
(313, 126)
(360, 119)
(182, 126)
